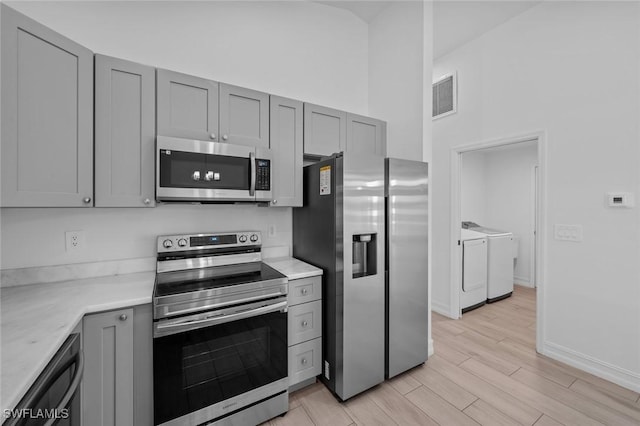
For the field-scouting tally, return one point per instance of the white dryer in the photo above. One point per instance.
(500, 262)
(474, 270)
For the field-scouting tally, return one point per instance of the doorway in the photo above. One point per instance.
(483, 191)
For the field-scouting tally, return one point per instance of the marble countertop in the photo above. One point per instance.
(293, 268)
(36, 319)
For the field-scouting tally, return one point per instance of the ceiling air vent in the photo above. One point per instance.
(444, 96)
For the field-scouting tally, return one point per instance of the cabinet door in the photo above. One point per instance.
(325, 130)
(286, 146)
(47, 116)
(244, 116)
(108, 369)
(366, 135)
(187, 106)
(125, 133)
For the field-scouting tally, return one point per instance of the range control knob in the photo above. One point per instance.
(243, 238)
(254, 238)
(167, 243)
(182, 242)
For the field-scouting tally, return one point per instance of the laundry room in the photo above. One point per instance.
(498, 203)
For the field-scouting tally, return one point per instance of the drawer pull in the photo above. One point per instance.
(303, 361)
(304, 323)
(303, 291)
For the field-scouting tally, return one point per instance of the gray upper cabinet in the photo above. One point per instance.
(108, 381)
(286, 116)
(124, 133)
(244, 116)
(325, 130)
(47, 116)
(366, 135)
(187, 106)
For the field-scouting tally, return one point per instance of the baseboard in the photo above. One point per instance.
(615, 374)
(526, 282)
(430, 351)
(440, 309)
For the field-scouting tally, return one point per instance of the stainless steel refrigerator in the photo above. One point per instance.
(341, 229)
(407, 313)
(364, 223)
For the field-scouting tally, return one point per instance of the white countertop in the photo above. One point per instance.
(36, 319)
(293, 268)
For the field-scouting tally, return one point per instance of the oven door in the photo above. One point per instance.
(209, 365)
(192, 170)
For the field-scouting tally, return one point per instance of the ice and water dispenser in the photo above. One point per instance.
(364, 255)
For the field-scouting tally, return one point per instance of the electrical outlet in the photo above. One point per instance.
(74, 240)
(272, 231)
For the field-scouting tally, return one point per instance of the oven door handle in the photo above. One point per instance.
(252, 161)
(180, 325)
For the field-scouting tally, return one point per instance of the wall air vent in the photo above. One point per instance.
(444, 96)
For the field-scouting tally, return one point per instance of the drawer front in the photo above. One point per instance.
(305, 290)
(304, 322)
(305, 361)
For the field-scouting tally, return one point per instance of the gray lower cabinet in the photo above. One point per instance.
(366, 135)
(286, 121)
(125, 129)
(117, 384)
(244, 116)
(325, 130)
(187, 106)
(304, 331)
(47, 116)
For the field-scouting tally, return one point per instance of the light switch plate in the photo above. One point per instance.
(568, 232)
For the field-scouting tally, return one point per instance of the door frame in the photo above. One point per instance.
(456, 218)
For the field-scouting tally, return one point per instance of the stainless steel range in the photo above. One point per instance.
(220, 331)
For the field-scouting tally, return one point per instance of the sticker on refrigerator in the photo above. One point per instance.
(325, 180)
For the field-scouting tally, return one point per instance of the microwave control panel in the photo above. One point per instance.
(263, 175)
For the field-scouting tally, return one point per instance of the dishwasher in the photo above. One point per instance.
(54, 398)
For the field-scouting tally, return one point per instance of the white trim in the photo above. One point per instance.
(454, 94)
(523, 281)
(441, 309)
(430, 350)
(534, 225)
(455, 212)
(615, 374)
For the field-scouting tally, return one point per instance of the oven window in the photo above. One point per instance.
(198, 368)
(179, 169)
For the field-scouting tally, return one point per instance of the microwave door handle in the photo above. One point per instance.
(252, 160)
(182, 325)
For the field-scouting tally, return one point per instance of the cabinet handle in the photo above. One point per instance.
(274, 202)
(225, 137)
(303, 361)
(123, 317)
(147, 201)
(304, 323)
(303, 291)
(86, 200)
(213, 136)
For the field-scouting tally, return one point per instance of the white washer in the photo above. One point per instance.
(474, 270)
(500, 263)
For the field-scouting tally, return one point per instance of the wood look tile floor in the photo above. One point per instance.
(485, 371)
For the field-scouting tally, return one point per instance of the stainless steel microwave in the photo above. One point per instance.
(204, 171)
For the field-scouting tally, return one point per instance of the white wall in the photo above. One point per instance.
(303, 50)
(396, 74)
(473, 187)
(571, 70)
